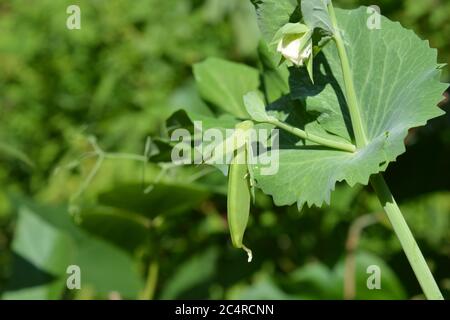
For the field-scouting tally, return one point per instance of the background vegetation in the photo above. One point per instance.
(74, 103)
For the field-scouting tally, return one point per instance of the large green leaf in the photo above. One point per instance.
(127, 230)
(273, 14)
(188, 98)
(397, 86)
(315, 14)
(40, 243)
(223, 83)
(47, 241)
(41, 254)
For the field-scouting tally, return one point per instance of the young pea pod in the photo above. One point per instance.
(240, 188)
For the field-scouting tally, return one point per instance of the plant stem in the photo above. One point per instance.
(352, 101)
(152, 278)
(313, 138)
(409, 245)
(412, 251)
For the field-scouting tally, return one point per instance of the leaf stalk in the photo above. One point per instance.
(342, 146)
(352, 100)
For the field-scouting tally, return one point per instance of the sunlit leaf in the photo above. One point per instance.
(397, 86)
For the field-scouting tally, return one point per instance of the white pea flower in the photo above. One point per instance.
(293, 49)
(294, 43)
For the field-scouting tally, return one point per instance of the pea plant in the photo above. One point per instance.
(342, 96)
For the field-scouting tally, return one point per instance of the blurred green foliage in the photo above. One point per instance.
(161, 232)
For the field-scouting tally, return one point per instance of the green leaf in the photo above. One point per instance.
(315, 14)
(292, 29)
(47, 241)
(187, 98)
(273, 14)
(126, 230)
(256, 108)
(309, 174)
(41, 256)
(44, 246)
(274, 77)
(223, 83)
(397, 86)
(185, 120)
(49, 291)
(107, 268)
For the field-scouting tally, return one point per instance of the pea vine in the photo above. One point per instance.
(343, 96)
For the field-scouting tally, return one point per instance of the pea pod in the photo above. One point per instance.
(239, 193)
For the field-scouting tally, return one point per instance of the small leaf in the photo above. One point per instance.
(273, 14)
(255, 107)
(315, 13)
(290, 29)
(223, 83)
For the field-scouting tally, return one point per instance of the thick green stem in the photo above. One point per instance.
(350, 93)
(152, 278)
(412, 251)
(313, 138)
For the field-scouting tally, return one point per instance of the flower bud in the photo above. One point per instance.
(292, 48)
(294, 43)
